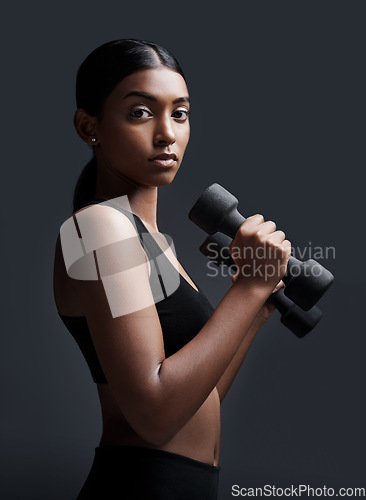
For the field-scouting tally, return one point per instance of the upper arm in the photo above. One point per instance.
(121, 314)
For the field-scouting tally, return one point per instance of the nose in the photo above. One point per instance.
(164, 131)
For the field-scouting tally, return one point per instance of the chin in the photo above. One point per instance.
(163, 180)
(163, 183)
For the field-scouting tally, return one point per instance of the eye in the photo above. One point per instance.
(140, 113)
(181, 114)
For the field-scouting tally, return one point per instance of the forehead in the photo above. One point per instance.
(162, 83)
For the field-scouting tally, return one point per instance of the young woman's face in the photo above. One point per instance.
(145, 116)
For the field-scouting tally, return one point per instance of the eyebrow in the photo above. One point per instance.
(152, 98)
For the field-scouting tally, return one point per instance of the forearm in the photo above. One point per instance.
(185, 379)
(230, 373)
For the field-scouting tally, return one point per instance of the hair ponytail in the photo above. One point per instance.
(85, 185)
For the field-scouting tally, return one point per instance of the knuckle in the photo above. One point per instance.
(242, 231)
(258, 216)
(286, 251)
(263, 238)
(260, 236)
(281, 233)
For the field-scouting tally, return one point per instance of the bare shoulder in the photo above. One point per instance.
(102, 251)
(105, 221)
(101, 229)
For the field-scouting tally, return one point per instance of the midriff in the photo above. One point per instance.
(199, 438)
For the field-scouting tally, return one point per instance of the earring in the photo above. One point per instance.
(94, 140)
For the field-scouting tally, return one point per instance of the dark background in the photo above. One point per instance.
(278, 118)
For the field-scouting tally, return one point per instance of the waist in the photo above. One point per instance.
(142, 454)
(198, 439)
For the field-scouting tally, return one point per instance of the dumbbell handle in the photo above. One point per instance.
(216, 211)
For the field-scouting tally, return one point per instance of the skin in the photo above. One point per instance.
(171, 403)
(134, 129)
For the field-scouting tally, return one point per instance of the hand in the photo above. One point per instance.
(261, 253)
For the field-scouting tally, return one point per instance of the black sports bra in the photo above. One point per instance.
(182, 314)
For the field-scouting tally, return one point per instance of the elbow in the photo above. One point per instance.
(155, 430)
(151, 415)
(155, 422)
(157, 437)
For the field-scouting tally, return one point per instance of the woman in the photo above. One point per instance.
(162, 364)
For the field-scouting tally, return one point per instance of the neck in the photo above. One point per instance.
(142, 199)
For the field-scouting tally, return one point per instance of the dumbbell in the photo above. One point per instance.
(216, 210)
(300, 322)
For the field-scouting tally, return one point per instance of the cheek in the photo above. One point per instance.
(126, 139)
(184, 137)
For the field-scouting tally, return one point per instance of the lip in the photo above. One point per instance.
(164, 160)
(165, 156)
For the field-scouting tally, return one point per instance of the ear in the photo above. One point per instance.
(85, 125)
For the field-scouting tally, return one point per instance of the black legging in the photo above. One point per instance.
(131, 472)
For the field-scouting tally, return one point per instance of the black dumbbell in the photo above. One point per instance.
(300, 322)
(216, 211)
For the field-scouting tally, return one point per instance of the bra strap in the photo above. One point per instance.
(148, 243)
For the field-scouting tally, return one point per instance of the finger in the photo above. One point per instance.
(279, 285)
(254, 220)
(267, 227)
(286, 245)
(235, 276)
(277, 238)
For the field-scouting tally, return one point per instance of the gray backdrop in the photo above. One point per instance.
(278, 118)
